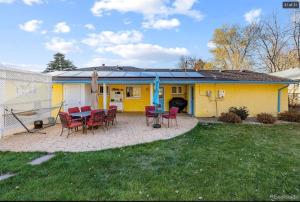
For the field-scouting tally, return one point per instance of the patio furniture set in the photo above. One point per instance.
(157, 114)
(86, 117)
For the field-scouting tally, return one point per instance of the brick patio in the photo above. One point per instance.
(131, 129)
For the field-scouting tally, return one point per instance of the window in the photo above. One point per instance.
(100, 88)
(176, 90)
(133, 92)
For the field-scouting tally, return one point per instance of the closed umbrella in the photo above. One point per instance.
(94, 84)
(156, 92)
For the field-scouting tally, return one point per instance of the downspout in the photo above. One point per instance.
(279, 98)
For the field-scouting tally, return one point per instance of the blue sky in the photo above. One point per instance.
(143, 33)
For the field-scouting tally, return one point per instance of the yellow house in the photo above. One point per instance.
(208, 92)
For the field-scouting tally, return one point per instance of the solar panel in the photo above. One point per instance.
(104, 73)
(164, 74)
(195, 75)
(117, 74)
(129, 74)
(70, 73)
(179, 74)
(85, 74)
(148, 74)
(133, 74)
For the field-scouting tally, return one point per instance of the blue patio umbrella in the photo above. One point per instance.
(156, 91)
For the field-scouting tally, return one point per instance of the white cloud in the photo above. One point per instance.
(60, 45)
(7, 1)
(211, 45)
(31, 26)
(148, 8)
(62, 27)
(27, 2)
(143, 51)
(161, 24)
(111, 38)
(253, 15)
(90, 26)
(31, 2)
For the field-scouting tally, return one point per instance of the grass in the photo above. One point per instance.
(214, 162)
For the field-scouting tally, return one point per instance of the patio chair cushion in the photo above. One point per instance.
(75, 124)
(97, 118)
(86, 108)
(73, 110)
(172, 114)
(149, 111)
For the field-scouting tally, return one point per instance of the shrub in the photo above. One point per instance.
(242, 112)
(265, 118)
(291, 116)
(230, 118)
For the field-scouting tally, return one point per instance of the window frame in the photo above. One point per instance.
(177, 90)
(133, 97)
(107, 90)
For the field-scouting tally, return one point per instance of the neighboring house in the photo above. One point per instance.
(294, 89)
(208, 92)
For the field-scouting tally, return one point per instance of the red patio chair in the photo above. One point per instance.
(116, 108)
(171, 115)
(113, 107)
(148, 113)
(97, 119)
(74, 110)
(85, 108)
(68, 122)
(110, 117)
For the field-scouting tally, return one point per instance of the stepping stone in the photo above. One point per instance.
(6, 176)
(41, 159)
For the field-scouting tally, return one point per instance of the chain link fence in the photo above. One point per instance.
(28, 94)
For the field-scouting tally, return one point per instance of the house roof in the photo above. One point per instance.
(127, 74)
(293, 73)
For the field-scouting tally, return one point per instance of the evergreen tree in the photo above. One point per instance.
(60, 64)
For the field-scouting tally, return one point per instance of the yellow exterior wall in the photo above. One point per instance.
(257, 98)
(169, 95)
(130, 104)
(57, 97)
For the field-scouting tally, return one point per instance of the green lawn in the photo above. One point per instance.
(230, 162)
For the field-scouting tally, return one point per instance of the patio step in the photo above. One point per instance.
(41, 159)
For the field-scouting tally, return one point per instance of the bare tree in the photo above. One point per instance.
(272, 45)
(296, 35)
(187, 62)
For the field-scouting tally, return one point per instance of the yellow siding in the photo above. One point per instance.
(256, 97)
(169, 95)
(131, 104)
(57, 97)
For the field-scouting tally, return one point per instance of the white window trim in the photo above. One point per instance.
(177, 91)
(136, 97)
(107, 89)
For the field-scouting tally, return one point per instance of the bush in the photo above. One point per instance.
(265, 118)
(230, 118)
(242, 112)
(291, 116)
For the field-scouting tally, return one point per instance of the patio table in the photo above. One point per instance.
(84, 116)
(156, 118)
